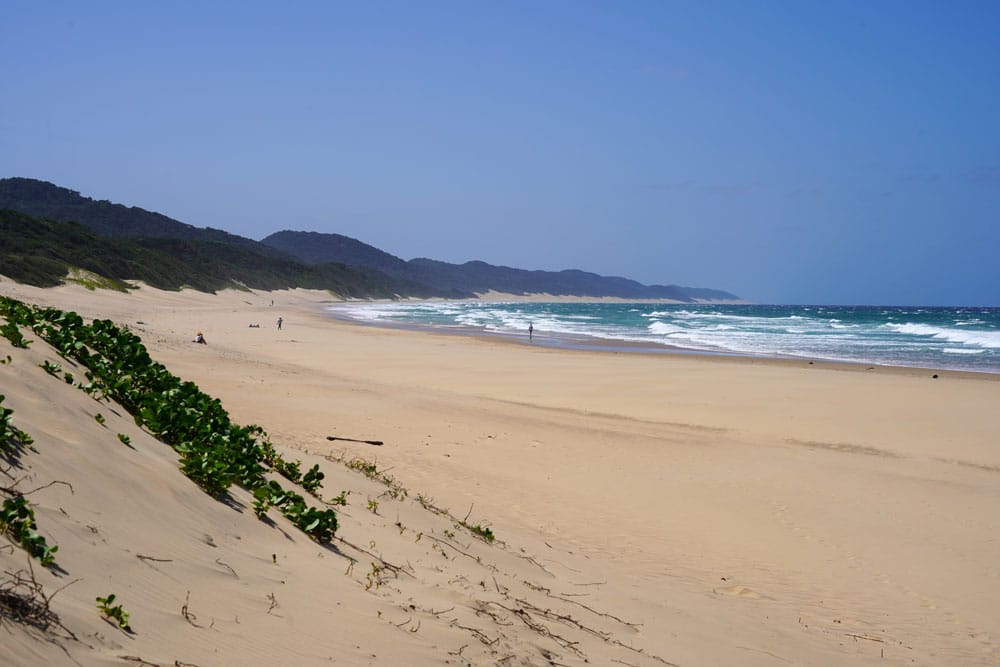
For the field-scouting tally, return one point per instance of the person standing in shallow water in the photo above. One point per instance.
(279, 323)
(531, 330)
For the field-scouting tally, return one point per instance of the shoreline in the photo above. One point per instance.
(596, 344)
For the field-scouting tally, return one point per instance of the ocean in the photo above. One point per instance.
(966, 339)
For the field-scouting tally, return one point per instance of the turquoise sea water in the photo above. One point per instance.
(944, 338)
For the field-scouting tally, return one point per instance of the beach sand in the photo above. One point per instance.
(648, 509)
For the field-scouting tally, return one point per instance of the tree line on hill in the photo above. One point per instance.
(47, 231)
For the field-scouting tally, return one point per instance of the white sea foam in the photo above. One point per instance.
(985, 339)
(365, 313)
(906, 341)
(663, 329)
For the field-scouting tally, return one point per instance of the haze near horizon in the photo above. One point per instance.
(798, 153)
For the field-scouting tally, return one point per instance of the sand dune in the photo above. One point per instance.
(649, 510)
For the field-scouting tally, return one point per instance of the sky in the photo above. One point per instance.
(788, 152)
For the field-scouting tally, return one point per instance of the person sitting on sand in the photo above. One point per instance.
(200, 338)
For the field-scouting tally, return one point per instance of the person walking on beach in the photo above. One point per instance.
(531, 330)
(279, 323)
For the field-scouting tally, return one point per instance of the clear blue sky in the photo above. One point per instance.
(826, 152)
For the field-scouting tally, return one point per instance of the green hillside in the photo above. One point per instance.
(42, 199)
(40, 252)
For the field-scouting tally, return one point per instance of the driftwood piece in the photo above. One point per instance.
(377, 443)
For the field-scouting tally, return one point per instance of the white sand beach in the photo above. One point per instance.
(648, 509)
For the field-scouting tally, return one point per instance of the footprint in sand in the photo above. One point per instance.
(739, 591)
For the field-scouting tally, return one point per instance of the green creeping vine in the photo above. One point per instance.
(476, 529)
(215, 452)
(17, 520)
(15, 314)
(312, 480)
(11, 332)
(12, 439)
(321, 524)
(366, 468)
(51, 368)
(370, 470)
(115, 612)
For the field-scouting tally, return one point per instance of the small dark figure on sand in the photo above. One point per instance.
(199, 338)
(279, 323)
(531, 330)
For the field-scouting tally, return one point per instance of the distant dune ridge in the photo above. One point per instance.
(282, 260)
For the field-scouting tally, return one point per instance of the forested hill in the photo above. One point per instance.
(45, 253)
(317, 248)
(42, 199)
(169, 253)
(478, 276)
